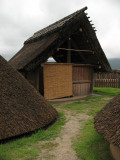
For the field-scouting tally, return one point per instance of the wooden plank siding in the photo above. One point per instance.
(33, 78)
(82, 77)
(57, 80)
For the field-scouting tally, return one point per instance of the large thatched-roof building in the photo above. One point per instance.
(107, 123)
(70, 41)
(22, 108)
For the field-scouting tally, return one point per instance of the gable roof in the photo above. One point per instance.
(22, 108)
(107, 121)
(44, 43)
(55, 26)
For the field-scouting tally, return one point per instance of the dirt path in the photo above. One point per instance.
(61, 147)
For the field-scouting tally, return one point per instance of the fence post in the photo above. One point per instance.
(118, 82)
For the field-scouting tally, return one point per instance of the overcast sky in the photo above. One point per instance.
(19, 19)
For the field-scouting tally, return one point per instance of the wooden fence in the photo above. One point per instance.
(107, 80)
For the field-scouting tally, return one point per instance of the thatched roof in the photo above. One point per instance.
(45, 43)
(22, 108)
(107, 121)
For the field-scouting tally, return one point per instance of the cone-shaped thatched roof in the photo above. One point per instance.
(107, 121)
(22, 108)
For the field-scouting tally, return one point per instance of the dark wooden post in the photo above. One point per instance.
(69, 51)
(93, 77)
(118, 82)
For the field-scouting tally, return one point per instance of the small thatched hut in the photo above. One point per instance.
(22, 108)
(71, 40)
(107, 123)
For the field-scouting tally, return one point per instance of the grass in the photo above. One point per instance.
(92, 105)
(26, 148)
(107, 92)
(89, 145)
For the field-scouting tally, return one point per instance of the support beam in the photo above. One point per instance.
(69, 51)
(76, 50)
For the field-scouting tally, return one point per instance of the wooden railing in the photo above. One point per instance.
(114, 83)
(109, 79)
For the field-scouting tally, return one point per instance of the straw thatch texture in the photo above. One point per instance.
(44, 43)
(57, 80)
(55, 26)
(22, 108)
(31, 51)
(107, 121)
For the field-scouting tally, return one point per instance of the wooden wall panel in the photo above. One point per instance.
(81, 89)
(57, 80)
(33, 78)
(82, 80)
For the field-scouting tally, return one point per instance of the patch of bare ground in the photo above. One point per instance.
(107, 98)
(61, 147)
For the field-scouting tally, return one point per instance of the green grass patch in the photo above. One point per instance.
(107, 92)
(90, 145)
(92, 105)
(26, 148)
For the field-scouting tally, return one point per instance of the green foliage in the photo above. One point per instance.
(26, 148)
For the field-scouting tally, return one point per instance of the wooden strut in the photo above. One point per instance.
(69, 51)
(76, 50)
(80, 82)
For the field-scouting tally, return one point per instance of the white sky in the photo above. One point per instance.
(19, 19)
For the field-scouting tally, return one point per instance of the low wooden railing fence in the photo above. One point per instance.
(107, 80)
(114, 83)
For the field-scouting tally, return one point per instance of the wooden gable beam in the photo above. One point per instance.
(76, 50)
